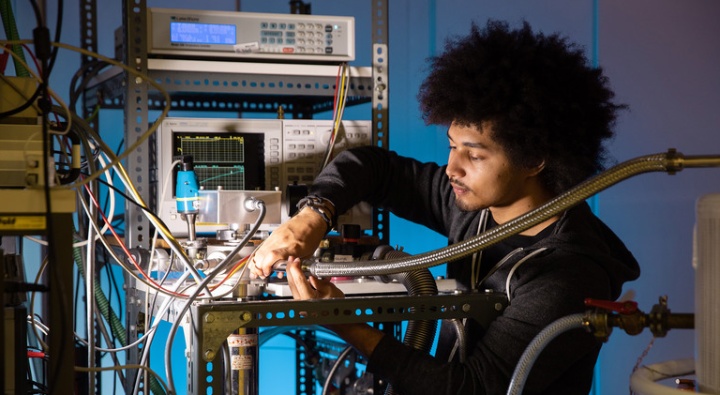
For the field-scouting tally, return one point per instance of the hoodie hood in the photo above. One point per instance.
(580, 232)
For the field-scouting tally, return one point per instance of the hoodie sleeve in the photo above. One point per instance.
(410, 189)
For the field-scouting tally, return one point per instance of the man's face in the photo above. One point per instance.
(481, 173)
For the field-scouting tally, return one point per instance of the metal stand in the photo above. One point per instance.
(223, 87)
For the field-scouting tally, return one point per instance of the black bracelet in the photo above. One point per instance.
(324, 207)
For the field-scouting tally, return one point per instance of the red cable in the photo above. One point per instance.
(124, 247)
(35, 354)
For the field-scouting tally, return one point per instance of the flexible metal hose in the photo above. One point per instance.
(419, 334)
(670, 162)
(533, 350)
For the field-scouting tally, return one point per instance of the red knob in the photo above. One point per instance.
(626, 307)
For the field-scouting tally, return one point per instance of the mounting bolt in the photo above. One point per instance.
(209, 318)
(246, 316)
(209, 355)
(466, 308)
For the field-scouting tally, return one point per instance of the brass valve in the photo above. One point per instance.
(627, 316)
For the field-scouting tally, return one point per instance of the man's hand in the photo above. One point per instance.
(361, 336)
(297, 237)
(313, 288)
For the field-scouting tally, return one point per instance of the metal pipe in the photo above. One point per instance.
(670, 162)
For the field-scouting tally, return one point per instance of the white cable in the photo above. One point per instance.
(116, 258)
(110, 215)
(123, 367)
(40, 326)
(186, 306)
(517, 264)
(41, 270)
(45, 330)
(335, 367)
(153, 245)
(90, 295)
(157, 319)
(166, 183)
(172, 242)
(134, 344)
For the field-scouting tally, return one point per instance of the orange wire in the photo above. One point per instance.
(232, 271)
(137, 266)
(124, 247)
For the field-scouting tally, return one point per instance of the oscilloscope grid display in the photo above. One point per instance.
(230, 161)
(219, 160)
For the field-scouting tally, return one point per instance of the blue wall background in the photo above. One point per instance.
(662, 58)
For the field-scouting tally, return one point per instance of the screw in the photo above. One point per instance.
(209, 318)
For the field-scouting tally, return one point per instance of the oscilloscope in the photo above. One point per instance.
(237, 157)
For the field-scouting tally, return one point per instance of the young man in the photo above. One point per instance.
(526, 117)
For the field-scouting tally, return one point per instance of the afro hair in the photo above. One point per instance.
(545, 103)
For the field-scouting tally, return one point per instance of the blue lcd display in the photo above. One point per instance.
(202, 33)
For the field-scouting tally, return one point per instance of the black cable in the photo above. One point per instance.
(38, 13)
(67, 172)
(23, 106)
(107, 195)
(128, 198)
(41, 388)
(41, 39)
(88, 71)
(52, 58)
(58, 30)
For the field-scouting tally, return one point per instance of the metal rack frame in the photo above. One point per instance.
(301, 90)
(212, 323)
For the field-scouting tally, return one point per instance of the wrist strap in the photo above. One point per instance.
(324, 207)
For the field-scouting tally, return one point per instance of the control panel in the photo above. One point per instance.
(249, 35)
(305, 143)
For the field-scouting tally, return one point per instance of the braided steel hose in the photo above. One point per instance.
(670, 162)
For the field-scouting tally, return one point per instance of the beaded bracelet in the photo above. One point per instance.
(324, 207)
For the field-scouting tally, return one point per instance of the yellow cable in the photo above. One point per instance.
(130, 70)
